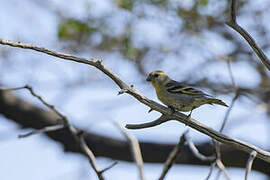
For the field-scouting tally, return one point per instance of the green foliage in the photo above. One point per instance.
(125, 4)
(204, 2)
(158, 2)
(72, 29)
(129, 51)
(112, 32)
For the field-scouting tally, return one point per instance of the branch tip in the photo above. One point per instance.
(109, 167)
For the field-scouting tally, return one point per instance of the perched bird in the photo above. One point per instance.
(178, 96)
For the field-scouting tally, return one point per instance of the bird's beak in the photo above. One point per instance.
(149, 78)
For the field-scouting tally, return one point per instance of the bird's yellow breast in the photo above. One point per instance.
(162, 94)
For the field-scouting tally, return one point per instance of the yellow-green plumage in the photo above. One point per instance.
(177, 95)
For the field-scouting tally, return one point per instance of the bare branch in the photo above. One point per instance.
(252, 156)
(222, 168)
(156, 122)
(11, 89)
(228, 112)
(231, 74)
(43, 130)
(196, 152)
(212, 133)
(233, 24)
(78, 135)
(45, 103)
(173, 156)
(30, 89)
(180, 117)
(218, 174)
(109, 167)
(213, 165)
(232, 16)
(91, 157)
(237, 94)
(135, 147)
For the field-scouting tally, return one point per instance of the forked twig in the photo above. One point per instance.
(234, 25)
(180, 117)
(252, 156)
(78, 136)
(196, 152)
(172, 156)
(135, 147)
(213, 165)
(43, 130)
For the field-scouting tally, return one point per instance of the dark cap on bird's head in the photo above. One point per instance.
(154, 75)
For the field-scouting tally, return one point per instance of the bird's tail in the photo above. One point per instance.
(217, 101)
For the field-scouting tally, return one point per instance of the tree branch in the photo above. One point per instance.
(135, 148)
(43, 130)
(233, 24)
(222, 168)
(252, 156)
(173, 156)
(78, 135)
(180, 117)
(196, 152)
(30, 116)
(243, 146)
(213, 165)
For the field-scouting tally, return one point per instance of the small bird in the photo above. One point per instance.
(178, 96)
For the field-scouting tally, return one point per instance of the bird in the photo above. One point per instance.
(179, 96)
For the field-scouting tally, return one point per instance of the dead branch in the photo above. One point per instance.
(252, 156)
(135, 147)
(234, 25)
(180, 117)
(78, 135)
(172, 156)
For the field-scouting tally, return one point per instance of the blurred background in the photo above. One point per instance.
(185, 38)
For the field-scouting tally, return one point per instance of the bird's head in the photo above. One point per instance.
(157, 78)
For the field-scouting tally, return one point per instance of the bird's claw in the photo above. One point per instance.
(172, 110)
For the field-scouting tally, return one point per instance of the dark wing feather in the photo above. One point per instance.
(177, 87)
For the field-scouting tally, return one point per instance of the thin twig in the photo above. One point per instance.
(252, 156)
(232, 15)
(30, 89)
(91, 156)
(231, 74)
(172, 156)
(226, 117)
(233, 24)
(180, 117)
(222, 168)
(225, 120)
(196, 152)
(135, 147)
(109, 167)
(51, 107)
(43, 130)
(213, 165)
(11, 89)
(78, 136)
(228, 112)
(218, 174)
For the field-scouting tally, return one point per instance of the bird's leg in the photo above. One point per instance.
(172, 110)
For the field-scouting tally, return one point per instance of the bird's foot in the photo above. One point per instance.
(172, 110)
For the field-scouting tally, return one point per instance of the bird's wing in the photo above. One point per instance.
(177, 87)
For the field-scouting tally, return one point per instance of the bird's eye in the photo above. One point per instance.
(156, 75)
